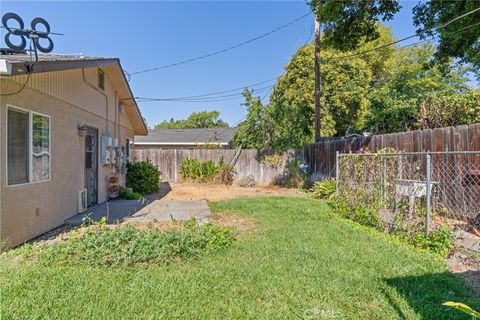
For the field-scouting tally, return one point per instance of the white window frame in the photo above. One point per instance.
(30, 145)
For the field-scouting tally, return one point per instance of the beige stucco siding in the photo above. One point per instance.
(27, 211)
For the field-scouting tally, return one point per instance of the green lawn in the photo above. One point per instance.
(298, 262)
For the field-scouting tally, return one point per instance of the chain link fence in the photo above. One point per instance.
(414, 192)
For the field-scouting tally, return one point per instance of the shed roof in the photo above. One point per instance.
(221, 136)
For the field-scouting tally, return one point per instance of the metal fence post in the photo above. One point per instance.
(428, 194)
(337, 171)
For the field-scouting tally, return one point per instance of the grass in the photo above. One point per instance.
(299, 261)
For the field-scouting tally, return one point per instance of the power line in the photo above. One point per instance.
(222, 50)
(409, 37)
(213, 93)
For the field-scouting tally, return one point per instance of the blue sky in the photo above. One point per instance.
(154, 33)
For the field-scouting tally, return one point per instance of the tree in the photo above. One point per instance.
(395, 105)
(202, 119)
(257, 130)
(449, 110)
(458, 39)
(347, 24)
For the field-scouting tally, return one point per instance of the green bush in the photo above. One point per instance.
(143, 177)
(126, 246)
(439, 240)
(324, 189)
(247, 181)
(129, 195)
(207, 171)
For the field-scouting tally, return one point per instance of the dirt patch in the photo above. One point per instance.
(468, 266)
(212, 192)
(240, 223)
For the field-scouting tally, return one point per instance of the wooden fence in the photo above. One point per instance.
(321, 157)
(246, 162)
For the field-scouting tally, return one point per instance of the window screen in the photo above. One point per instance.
(18, 146)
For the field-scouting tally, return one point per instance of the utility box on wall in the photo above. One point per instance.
(106, 150)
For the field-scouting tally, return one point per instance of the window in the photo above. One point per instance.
(28, 146)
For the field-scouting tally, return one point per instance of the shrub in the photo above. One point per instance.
(247, 181)
(207, 171)
(125, 245)
(143, 177)
(324, 189)
(296, 177)
(439, 240)
(127, 194)
(226, 174)
(196, 170)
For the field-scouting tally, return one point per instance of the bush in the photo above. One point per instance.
(226, 174)
(143, 177)
(125, 245)
(196, 170)
(127, 194)
(207, 171)
(296, 177)
(324, 189)
(247, 181)
(439, 240)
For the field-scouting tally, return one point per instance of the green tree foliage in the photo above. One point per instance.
(257, 131)
(201, 119)
(449, 110)
(347, 24)
(396, 103)
(381, 92)
(458, 39)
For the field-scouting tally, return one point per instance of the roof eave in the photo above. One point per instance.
(20, 68)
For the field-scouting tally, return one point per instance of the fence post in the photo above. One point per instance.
(428, 194)
(337, 171)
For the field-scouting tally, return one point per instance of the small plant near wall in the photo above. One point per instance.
(143, 177)
(296, 177)
(207, 171)
(324, 189)
(247, 181)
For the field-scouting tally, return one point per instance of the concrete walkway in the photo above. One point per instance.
(148, 209)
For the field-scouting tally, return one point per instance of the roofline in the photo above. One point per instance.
(20, 68)
(125, 81)
(178, 143)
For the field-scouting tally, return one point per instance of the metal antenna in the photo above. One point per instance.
(33, 34)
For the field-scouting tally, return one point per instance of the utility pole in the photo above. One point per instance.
(318, 80)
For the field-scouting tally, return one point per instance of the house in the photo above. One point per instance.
(66, 128)
(186, 138)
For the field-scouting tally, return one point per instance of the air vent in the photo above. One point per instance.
(101, 79)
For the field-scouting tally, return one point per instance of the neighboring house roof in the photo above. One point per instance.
(218, 136)
(15, 64)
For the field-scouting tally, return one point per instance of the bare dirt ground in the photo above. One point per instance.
(466, 265)
(213, 192)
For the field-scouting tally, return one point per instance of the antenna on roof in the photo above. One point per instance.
(33, 34)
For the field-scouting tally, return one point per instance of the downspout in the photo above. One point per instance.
(102, 93)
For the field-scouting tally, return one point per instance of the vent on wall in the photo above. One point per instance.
(101, 79)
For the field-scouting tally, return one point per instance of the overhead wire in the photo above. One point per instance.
(222, 50)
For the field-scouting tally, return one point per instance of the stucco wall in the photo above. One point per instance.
(27, 211)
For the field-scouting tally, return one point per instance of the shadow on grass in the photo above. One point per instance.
(425, 295)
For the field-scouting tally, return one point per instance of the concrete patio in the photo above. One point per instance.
(149, 209)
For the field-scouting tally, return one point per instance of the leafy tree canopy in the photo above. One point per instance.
(347, 24)
(459, 39)
(201, 119)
